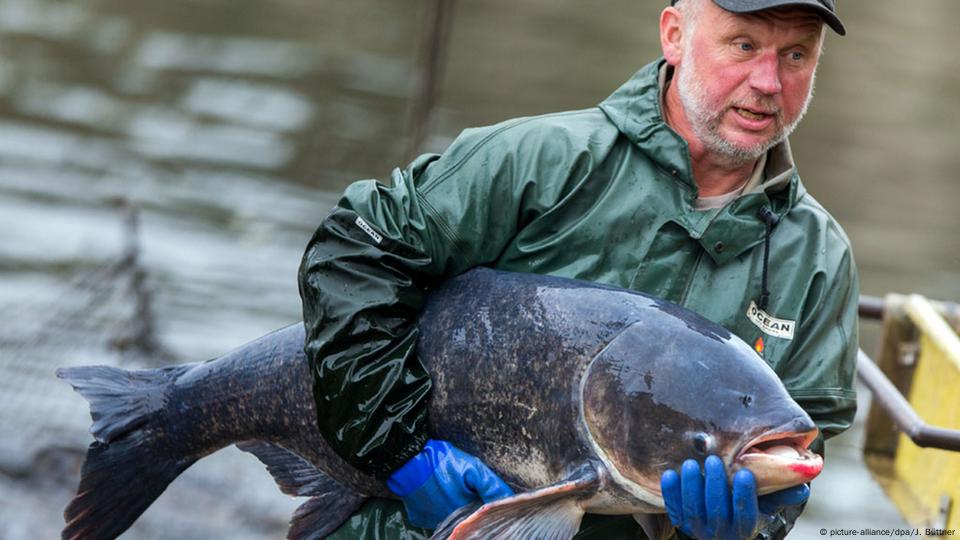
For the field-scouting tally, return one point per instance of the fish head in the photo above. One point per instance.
(678, 387)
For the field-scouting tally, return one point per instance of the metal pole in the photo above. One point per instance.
(871, 307)
(904, 417)
(433, 57)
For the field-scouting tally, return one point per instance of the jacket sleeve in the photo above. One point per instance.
(363, 278)
(821, 370)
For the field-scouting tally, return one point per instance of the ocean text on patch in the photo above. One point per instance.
(768, 324)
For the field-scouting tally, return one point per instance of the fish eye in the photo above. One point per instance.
(701, 443)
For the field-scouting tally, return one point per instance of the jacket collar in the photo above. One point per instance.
(635, 109)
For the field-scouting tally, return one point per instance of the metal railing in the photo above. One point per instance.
(889, 398)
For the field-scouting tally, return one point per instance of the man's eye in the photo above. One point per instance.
(745, 47)
(796, 56)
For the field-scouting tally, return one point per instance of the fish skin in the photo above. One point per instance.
(533, 374)
(498, 392)
(262, 391)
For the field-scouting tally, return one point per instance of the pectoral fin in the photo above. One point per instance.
(549, 513)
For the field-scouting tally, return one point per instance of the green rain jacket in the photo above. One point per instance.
(603, 194)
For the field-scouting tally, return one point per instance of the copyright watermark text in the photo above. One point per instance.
(894, 532)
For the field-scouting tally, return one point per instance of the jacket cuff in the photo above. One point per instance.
(389, 458)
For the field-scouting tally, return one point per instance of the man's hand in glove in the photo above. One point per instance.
(441, 479)
(704, 506)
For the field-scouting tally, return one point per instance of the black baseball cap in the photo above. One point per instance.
(827, 9)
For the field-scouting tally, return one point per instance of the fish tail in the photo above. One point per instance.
(131, 462)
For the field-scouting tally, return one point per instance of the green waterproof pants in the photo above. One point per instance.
(384, 519)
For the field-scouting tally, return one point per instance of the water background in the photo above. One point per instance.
(232, 125)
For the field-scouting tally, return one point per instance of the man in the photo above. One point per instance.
(681, 184)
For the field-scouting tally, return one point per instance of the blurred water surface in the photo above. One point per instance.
(233, 125)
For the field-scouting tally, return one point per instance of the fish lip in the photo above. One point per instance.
(775, 471)
(790, 438)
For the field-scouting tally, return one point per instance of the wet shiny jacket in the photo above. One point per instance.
(603, 194)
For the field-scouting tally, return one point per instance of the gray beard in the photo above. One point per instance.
(706, 124)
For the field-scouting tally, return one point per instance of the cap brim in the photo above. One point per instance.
(749, 6)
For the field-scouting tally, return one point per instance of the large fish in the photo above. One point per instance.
(577, 394)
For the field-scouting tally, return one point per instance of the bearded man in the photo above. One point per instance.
(681, 184)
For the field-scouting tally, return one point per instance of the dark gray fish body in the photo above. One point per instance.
(579, 394)
(261, 391)
(540, 375)
(506, 366)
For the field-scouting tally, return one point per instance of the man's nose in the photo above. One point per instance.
(765, 74)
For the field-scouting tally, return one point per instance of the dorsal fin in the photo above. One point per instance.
(330, 503)
(549, 513)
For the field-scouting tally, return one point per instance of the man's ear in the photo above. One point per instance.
(671, 35)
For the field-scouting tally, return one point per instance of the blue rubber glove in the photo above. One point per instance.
(703, 506)
(441, 479)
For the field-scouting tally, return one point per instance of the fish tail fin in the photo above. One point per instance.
(121, 401)
(130, 464)
(118, 482)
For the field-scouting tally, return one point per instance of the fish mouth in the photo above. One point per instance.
(781, 459)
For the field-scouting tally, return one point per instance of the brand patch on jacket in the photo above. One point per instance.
(772, 326)
(369, 230)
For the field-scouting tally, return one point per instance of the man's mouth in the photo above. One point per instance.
(751, 115)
